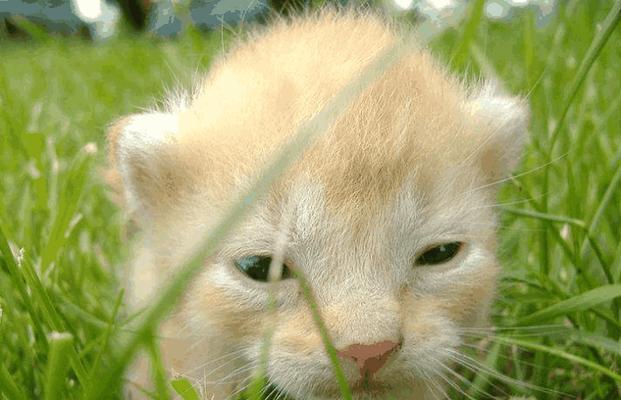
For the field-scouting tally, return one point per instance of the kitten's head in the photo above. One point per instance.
(389, 215)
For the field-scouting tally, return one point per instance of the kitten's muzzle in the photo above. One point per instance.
(369, 358)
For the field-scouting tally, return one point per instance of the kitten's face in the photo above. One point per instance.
(408, 168)
(366, 282)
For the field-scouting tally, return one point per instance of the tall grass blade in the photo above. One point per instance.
(598, 43)
(308, 132)
(601, 208)
(57, 365)
(157, 369)
(325, 336)
(66, 208)
(468, 34)
(8, 387)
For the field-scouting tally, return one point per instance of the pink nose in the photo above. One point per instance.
(369, 357)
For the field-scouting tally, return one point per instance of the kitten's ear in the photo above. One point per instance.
(143, 166)
(505, 119)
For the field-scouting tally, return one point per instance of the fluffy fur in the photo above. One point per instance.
(409, 164)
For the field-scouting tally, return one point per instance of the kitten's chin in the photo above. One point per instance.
(360, 391)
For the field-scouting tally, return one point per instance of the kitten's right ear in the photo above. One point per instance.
(143, 163)
(506, 119)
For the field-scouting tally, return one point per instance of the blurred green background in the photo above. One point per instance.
(62, 247)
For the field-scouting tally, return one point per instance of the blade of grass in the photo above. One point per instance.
(603, 205)
(107, 334)
(50, 313)
(24, 276)
(598, 43)
(468, 34)
(184, 388)
(16, 276)
(325, 335)
(259, 382)
(580, 302)
(573, 222)
(57, 365)
(8, 386)
(560, 353)
(68, 203)
(157, 369)
(595, 340)
(546, 217)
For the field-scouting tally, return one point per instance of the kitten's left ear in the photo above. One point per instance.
(505, 121)
(145, 166)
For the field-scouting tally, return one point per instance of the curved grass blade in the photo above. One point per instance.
(594, 340)
(580, 302)
(573, 222)
(560, 353)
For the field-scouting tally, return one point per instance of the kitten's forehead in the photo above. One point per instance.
(312, 208)
(409, 119)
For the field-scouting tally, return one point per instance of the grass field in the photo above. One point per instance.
(61, 248)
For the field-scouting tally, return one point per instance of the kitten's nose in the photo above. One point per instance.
(369, 357)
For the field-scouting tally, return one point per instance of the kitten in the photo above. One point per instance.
(388, 215)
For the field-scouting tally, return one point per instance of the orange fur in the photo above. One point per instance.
(408, 165)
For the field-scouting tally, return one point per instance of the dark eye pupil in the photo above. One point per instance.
(258, 268)
(439, 254)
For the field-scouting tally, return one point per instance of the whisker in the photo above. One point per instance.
(430, 379)
(477, 370)
(238, 371)
(433, 385)
(512, 177)
(465, 359)
(243, 385)
(491, 329)
(454, 386)
(465, 381)
(229, 357)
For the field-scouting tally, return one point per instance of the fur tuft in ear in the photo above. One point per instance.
(505, 121)
(141, 158)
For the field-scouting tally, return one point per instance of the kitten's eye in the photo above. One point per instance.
(439, 254)
(258, 268)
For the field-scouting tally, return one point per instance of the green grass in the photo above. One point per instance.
(62, 244)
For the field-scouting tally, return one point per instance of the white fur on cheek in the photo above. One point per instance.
(140, 142)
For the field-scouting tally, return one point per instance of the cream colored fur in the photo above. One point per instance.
(411, 163)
